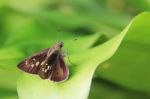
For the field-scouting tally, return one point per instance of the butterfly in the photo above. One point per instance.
(48, 64)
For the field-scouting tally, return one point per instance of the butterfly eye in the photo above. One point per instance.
(60, 44)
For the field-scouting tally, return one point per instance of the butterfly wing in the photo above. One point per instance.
(32, 64)
(59, 70)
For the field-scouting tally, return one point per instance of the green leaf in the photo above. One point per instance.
(78, 84)
(6, 94)
(10, 96)
(26, 29)
(8, 79)
(9, 58)
(26, 5)
(130, 65)
(106, 90)
(140, 4)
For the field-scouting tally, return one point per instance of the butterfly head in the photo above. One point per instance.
(59, 44)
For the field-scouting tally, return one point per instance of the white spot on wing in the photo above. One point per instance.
(26, 62)
(42, 63)
(48, 67)
(37, 63)
(45, 70)
(32, 65)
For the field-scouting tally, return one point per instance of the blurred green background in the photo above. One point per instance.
(30, 25)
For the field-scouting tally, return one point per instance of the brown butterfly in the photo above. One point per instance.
(48, 64)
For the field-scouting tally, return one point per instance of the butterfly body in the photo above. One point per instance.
(48, 64)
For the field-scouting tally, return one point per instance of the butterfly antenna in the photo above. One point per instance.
(70, 60)
(58, 35)
(68, 55)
